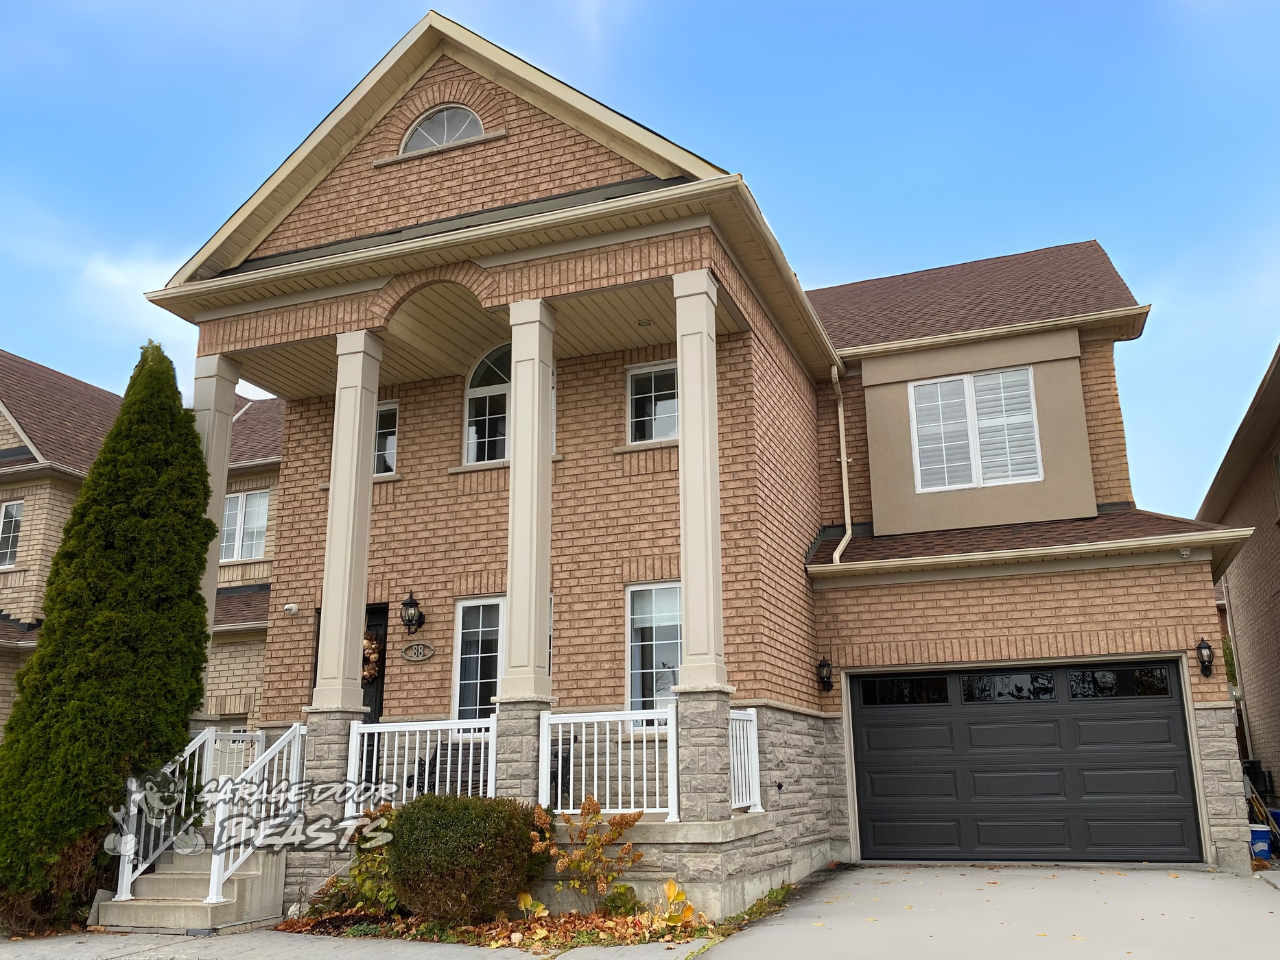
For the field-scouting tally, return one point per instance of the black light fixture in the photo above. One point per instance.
(410, 615)
(1204, 653)
(824, 674)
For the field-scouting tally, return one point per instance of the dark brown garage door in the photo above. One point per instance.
(1069, 762)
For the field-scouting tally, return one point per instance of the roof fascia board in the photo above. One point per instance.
(1099, 319)
(22, 434)
(1207, 538)
(1251, 438)
(40, 471)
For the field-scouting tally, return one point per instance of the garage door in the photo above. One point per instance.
(1073, 762)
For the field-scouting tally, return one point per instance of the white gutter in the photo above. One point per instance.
(249, 627)
(844, 466)
(1208, 538)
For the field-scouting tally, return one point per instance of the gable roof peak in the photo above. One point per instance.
(434, 36)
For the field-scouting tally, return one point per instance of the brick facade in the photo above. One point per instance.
(233, 682)
(1104, 421)
(45, 511)
(1255, 608)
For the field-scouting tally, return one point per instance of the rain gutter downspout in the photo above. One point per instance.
(844, 466)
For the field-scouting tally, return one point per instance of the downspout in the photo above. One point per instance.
(844, 466)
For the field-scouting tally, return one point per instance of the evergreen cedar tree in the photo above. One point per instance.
(117, 671)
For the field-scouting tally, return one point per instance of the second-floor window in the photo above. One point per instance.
(10, 528)
(244, 526)
(487, 394)
(652, 404)
(991, 414)
(384, 445)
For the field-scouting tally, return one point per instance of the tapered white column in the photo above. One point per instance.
(526, 672)
(702, 614)
(346, 546)
(215, 405)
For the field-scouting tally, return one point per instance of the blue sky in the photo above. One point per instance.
(879, 138)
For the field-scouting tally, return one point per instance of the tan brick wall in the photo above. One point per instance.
(1104, 421)
(8, 435)
(234, 679)
(855, 414)
(1083, 613)
(539, 157)
(45, 511)
(1255, 608)
(10, 662)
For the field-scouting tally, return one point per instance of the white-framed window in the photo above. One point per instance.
(447, 124)
(384, 444)
(488, 396)
(244, 525)
(992, 413)
(10, 528)
(479, 652)
(653, 645)
(652, 402)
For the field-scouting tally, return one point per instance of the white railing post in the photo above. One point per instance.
(753, 756)
(673, 767)
(295, 771)
(129, 843)
(544, 759)
(219, 844)
(353, 767)
(491, 736)
(209, 760)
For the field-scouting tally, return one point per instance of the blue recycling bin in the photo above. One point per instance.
(1260, 841)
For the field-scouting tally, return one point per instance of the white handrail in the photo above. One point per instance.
(149, 832)
(744, 760)
(422, 756)
(249, 804)
(626, 759)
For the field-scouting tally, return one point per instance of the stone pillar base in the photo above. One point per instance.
(1227, 845)
(702, 728)
(516, 747)
(328, 740)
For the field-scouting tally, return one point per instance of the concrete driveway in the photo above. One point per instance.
(964, 911)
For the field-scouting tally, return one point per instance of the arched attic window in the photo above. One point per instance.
(443, 125)
(488, 391)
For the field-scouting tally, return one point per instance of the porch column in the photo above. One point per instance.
(214, 405)
(346, 547)
(703, 692)
(524, 686)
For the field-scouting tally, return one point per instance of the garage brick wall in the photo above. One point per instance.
(1255, 608)
(1082, 613)
(539, 157)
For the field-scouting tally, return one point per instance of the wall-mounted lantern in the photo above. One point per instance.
(824, 674)
(410, 614)
(1204, 653)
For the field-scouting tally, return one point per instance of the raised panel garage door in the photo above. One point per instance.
(1069, 762)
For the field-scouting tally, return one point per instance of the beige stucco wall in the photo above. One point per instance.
(1067, 488)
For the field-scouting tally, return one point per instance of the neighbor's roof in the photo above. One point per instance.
(241, 605)
(1072, 280)
(258, 430)
(64, 419)
(1251, 438)
(382, 88)
(1120, 531)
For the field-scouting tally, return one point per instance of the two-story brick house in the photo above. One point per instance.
(558, 410)
(51, 427)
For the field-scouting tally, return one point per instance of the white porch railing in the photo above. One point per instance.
(744, 760)
(417, 757)
(252, 803)
(149, 830)
(626, 759)
(233, 753)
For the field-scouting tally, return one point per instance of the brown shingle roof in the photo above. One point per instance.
(242, 604)
(1121, 525)
(258, 431)
(1065, 281)
(67, 419)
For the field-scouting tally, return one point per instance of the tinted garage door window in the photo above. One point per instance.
(1074, 762)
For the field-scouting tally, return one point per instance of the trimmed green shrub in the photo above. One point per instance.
(117, 671)
(459, 860)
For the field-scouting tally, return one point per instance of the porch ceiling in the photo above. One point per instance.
(442, 330)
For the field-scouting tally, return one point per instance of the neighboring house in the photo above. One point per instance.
(51, 426)
(1246, 491)
(564, 438)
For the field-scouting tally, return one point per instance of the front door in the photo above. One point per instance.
(373, 668)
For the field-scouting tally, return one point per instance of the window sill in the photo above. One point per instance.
(443, 148)
(648, 445)
(233, 563)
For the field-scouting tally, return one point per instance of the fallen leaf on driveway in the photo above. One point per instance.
(1074, 937)
(819, 924)
(1175, 876)
(1041, 934)
(908, 907)
(872, 920)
